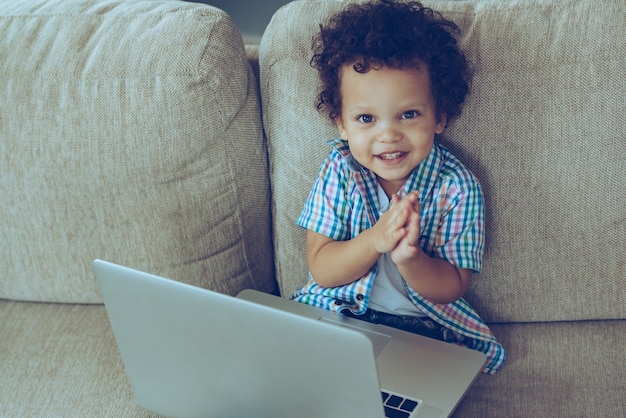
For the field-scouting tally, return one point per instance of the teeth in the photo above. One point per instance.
(390, 156)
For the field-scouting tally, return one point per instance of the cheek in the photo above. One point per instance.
(358, 149)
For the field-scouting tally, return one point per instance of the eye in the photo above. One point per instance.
(365, 118)
(410, 114)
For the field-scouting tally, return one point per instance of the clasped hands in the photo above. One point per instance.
(398, 229)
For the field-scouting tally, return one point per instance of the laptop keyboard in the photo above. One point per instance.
(398, 406)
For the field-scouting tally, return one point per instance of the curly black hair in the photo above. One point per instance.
(394, 34)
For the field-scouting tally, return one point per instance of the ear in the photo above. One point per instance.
(341, 127)
(441, 123)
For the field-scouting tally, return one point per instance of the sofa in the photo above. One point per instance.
(146, 133)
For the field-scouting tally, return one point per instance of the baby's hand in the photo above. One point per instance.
(391, 228)
(407, 248)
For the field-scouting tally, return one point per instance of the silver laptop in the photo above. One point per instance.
(191, 352)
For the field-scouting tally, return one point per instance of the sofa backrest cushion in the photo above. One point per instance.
(129, 131)
(543, 130)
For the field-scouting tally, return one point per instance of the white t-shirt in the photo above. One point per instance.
(389, 293)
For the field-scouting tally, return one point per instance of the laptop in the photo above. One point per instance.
(191, 352)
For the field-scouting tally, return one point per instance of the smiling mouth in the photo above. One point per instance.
(390, 155)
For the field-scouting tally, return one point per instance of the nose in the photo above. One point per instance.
(389, 133)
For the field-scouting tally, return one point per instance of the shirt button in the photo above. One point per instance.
(360, 297)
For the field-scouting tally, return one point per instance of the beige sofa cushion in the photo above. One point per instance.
(61, 360)
(557, 369)
(129, 131)
(543, 130)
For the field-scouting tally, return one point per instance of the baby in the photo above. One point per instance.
(395, 222)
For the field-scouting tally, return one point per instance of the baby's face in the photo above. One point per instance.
(389, 119)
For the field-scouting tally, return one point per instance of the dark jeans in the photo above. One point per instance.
(417, 325)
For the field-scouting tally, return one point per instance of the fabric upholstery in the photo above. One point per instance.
(129, 131)
(543, 130)
(61, 360)
(558, 369)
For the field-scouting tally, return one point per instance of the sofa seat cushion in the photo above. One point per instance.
(559, 369)
(129, 131)
(61, 360)
(66, 363)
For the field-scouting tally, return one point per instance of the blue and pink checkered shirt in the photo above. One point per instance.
(344, 202)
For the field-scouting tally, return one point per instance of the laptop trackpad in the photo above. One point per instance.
(379, 341)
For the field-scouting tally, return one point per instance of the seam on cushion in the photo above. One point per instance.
(203, 74)
(234, 188)
(225, 128)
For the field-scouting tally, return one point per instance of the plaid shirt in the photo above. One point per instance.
(344, 202)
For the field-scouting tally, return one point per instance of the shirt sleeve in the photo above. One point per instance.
(326, 210)
(461, 232)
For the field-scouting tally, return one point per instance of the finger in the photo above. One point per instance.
(398, 212)
(413, 229)
(390, 241)
(397, 237)
(395, 198)
(412, 197)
